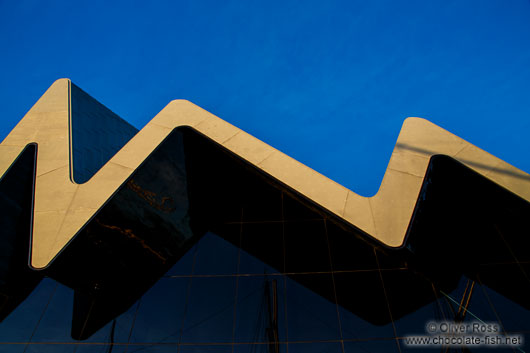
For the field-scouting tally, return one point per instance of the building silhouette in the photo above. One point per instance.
(193, 236)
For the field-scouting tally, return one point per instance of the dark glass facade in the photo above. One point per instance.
(96, 132)
(200, 251)
(219, 298)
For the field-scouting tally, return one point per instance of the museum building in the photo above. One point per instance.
(193, 236)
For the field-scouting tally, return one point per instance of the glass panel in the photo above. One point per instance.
(348, 251)
(259, 348)
(54, 325)
(315, 347)
(215, 256)
(294, 210)
(311, 316)
(52, 348)
(154, 348)
(21, 323)
(206, 349)
(468, 295)
(104, 348)
(12, 348)
(161, 312)
(514, 314)
(390, 259)
(374, 346)
(261, 202)
(97, 134)
(412, 301)
(262, 248)
(210, 311)
(362, 305)
(184, 265)
(306, 247)
(260, 312)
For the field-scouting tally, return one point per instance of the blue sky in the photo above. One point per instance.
(327, 82)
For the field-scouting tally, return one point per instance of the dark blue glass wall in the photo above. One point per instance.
(97, 134)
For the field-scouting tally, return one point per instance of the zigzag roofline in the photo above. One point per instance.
(63, 207)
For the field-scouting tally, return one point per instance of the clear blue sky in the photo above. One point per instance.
(327, 82)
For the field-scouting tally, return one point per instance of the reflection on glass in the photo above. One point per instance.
(309, 315)
(159, 314)
(273, 287)
(363, 307)
(21, 323)
(260, 311)
(210, 311)
(215, 256)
